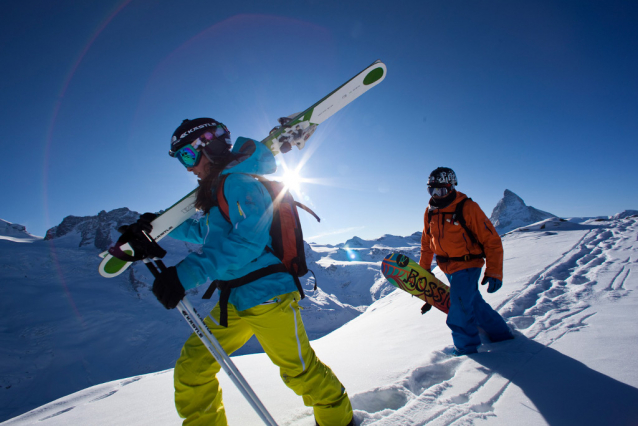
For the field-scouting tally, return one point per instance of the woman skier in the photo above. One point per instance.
(233, 248)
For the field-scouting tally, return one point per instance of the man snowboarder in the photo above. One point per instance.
(461, 236)
(234, 248)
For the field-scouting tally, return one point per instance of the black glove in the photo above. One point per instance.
(425, 308)
(494, 285)
(142, 224)
(134, 235)
(167, 288)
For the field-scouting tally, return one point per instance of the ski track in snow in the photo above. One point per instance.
(552, 303)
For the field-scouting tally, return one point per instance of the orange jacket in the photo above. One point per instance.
(448, 239)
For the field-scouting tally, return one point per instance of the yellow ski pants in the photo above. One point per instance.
(278, 326)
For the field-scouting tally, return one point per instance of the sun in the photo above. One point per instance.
(292, 180)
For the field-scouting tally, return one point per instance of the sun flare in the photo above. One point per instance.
(292, 180)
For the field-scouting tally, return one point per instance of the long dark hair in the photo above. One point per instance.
(206, 193)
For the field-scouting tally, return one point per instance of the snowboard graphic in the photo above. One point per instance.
(406, 274)
(294, 130)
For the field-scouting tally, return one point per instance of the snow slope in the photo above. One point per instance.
(569, 293)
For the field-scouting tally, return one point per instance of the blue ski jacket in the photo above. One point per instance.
(233, 250)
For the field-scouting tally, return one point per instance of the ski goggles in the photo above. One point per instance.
(439, 190)
(190, 154)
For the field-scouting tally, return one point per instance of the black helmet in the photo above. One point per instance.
(216, 145)
(442, 176)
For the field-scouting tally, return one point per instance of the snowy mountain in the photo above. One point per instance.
(16, 233)
(97, 231)
(569, 294)
(511, 213)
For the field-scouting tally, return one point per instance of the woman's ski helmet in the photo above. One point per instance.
(215, 149)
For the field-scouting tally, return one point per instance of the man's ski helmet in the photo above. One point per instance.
(215, 145)
(442, 175)
(441, 181)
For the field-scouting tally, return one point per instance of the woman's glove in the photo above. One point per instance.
(167, 288)
(142, 224)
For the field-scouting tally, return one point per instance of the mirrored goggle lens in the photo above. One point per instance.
(188, 156)
(438, 192)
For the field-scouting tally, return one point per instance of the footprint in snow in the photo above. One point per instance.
(373, 401)
(427, 376)
(106, 395)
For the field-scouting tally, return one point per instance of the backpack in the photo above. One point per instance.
(287, 242)
(457, 216)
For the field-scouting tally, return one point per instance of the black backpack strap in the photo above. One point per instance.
(458, 216)
(226, 286)
(465, 258)
(306, 208)
(296, 278)
(429, 220)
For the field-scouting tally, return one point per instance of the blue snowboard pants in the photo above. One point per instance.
(468, 311)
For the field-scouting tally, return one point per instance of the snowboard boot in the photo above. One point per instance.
(501, 337)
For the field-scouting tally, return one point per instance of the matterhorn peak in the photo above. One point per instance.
(511, 212)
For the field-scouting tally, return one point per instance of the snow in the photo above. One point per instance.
(569, 294)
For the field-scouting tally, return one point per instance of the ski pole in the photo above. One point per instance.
(208, 339)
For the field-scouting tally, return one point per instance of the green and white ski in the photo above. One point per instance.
(294, 131)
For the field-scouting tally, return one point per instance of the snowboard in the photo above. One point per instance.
(294, 130)
(408, 275)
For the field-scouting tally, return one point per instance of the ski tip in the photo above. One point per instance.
(112, 266)
(376, 75)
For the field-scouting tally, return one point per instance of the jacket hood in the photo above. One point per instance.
(251, 157)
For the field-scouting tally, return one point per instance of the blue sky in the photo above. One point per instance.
(537, 97)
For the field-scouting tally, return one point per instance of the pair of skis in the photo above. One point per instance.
(294, 131)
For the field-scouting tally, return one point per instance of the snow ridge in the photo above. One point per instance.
(15, 232)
